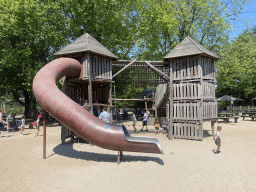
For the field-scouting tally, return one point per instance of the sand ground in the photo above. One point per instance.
(185, 166)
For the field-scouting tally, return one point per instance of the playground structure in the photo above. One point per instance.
(185, 94)
(67, 109)
(185, 80)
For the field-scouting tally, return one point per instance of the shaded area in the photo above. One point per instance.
(68, 150)
(206, 133)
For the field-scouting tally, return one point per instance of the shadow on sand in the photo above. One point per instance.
(68, 150)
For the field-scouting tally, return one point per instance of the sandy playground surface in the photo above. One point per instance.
(185, 166)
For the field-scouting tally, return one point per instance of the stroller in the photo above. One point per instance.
(12, 124)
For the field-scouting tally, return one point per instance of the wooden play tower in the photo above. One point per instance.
(95, 80)
(186, 83)
(191, 98)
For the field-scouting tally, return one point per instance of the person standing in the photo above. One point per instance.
(157, 125)
(1, 120)
(217, 139)
(145, 120)
(134, 121)
(37, 125)
(22, 125)
(105, 116)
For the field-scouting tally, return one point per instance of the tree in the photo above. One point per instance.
(163, 24)
(108, 21)
(30, 30)
(236, 71)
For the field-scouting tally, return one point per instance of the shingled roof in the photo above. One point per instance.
(85, 43)
(189, 47)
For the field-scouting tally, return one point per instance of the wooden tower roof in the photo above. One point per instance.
(86, 43)
(189, 47)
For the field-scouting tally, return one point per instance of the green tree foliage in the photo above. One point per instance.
(32, 30)
(163, 24)
(106, 20)
(29, 33)
(236, 71)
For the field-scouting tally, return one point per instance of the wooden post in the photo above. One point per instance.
(170, 124)
(201, 97)
(44, 134)
(90, 82)
(146, 105)
(110, 101)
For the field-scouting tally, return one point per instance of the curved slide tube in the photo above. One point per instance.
(78, 119)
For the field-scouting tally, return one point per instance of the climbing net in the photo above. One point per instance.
(140, 72)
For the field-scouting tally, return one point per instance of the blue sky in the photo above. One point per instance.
(249, 11)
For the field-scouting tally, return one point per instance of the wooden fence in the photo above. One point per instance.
(190, 90)
(191, 111)
(99, 67)
(189, 68)
(187, 131)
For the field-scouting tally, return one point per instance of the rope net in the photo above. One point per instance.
(140, 73)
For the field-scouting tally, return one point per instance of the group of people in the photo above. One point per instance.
(12, 124)
(104, 115)
(145, 120)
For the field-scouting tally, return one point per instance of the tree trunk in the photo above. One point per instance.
(30, 107)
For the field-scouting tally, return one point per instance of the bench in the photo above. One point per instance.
(235, 118)
(226, 119)
(252, 117)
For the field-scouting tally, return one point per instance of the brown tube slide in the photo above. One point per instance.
(78, 119)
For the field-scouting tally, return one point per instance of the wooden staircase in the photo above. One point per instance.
(161, 94)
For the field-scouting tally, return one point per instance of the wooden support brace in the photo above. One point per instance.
(123, 68)
(157, 70)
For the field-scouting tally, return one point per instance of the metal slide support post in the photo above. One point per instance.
(44, 134)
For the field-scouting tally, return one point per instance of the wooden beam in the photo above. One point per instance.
(146, 99)
(157, 70)
(124, 68)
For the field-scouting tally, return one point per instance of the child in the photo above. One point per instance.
(217, 139)
(134, 121)
(22, 125)
(36, 123)
(157, 125)
(164, 123)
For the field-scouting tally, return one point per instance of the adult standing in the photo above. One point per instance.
(145, 120)
(1, 120)
(105, 116)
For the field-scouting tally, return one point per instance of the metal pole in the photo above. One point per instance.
(44, 134)
(115, 103)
